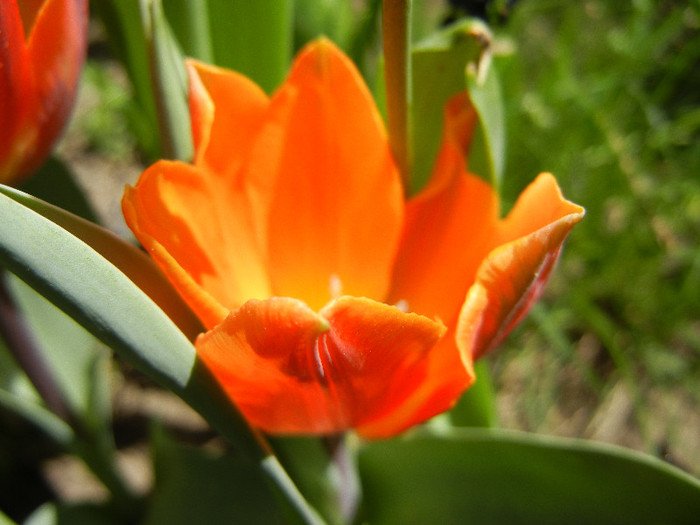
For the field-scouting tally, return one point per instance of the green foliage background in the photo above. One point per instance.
(606, 95)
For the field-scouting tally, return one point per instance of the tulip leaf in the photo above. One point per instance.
(488, 149)
(440, 70)
(53, 514)
(122, 22)
(197, 486)
(78, 361)
(253, 37)
(169, 83)
(485, 476)
(4, 520)
(477, 406)
(190, 23)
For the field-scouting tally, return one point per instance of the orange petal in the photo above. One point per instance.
(448, 227)
(293, 371)
(321, 176)
(226, 110)
(446, 377)
(513, 275)
(200, 235)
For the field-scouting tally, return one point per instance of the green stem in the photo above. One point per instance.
(396, 28)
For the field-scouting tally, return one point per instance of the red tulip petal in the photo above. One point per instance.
(17, 94)
(292, 371)
(29, 11)
(513, 275)
(200, 235)
(57, 47)
(446, 377)
(227, 109)
(326, 189)
(448, 227)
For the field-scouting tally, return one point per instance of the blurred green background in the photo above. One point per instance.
(606, 95)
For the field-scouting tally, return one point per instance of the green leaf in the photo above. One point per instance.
(477, 406)
(440, 65)
(169, 83)
(334, 19)
(190, 23)
(253, 37)
(481, 476)
(4, 520)
(122, 22)
(197, 486)
(488, 149)
(53, 514)
(75, 357)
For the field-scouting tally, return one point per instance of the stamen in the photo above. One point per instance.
(402, 305)
(335, 286)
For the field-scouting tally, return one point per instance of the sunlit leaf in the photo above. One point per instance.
(477, 406)
(168, 81)
(440, 65)
(482, 476)
(190, 23)
(253, 37)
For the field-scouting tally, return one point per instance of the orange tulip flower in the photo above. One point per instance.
(42, 48)
(330, 301)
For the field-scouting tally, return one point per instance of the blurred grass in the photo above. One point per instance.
(606, 95)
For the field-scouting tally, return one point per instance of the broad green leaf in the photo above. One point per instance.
(198, 486)
(477, 406)
(253, 37)
(440, 65)
(103, 300)
(481, 476)
(168, 81)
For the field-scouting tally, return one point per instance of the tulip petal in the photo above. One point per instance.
(321, 175)
(293, 371)
(513, 275)
(448, 227)
(446, 377)
(56, 68)
(226, 110)
(18, 94)
(200, 235)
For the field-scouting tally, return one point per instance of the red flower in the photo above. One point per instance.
(42, 48)
(331, 302)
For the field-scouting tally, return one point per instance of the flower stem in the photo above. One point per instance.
(396, 29)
